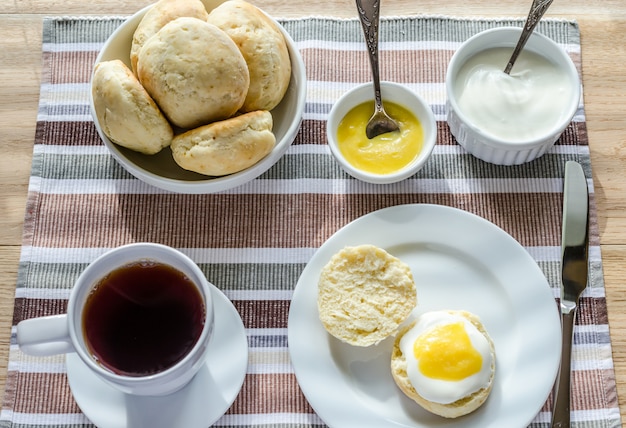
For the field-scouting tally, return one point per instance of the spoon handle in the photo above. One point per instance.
(537, 10)
(369, 14)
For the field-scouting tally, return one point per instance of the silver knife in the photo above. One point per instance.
(575, 255)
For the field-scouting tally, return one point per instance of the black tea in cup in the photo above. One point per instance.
(143, 318)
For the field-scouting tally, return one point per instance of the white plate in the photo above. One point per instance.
(459, 261)
(198, 405)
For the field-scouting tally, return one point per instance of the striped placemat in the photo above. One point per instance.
(253, 241)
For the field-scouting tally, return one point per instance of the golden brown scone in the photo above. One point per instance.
(162, 12)
(194, 72)
(452, 410)
(227, 146)
(125, 111)
(364, 294)
(264, 48)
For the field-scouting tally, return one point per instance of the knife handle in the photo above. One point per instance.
(561, 410)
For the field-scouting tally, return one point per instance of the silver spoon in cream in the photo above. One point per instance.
(537, 10)
(380, 122)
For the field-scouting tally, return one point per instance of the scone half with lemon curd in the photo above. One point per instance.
(445, 361)
(364, 294)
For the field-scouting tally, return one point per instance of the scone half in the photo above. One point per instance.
(364, 294)
(458, 408)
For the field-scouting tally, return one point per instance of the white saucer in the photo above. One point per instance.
(199, 404)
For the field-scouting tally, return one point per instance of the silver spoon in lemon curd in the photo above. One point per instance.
(386, 153)
(369, 13)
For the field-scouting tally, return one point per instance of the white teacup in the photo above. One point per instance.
(65, 333)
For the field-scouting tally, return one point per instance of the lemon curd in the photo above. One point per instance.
(446, 352)
(386, 153)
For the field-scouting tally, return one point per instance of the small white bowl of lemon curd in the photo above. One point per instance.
(390, 157)
(510, 119)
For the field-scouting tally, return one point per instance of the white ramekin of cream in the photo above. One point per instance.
(510, 119)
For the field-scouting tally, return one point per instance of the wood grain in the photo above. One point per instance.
(602, 27)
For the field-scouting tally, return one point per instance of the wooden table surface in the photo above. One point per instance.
(603, 32)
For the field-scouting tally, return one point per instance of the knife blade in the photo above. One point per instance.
(574, 270)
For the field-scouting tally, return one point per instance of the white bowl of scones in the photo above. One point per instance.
(198, 96)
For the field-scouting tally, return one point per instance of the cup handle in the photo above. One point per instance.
(44, 336)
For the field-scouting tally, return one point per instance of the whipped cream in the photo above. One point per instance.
(522, 106)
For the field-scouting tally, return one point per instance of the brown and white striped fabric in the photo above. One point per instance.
(253, 241)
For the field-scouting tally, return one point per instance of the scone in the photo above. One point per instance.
(364, 294)
(227, 146)
(194, 72)
(125, 111)
(445, 361)
(162, 12)
(264, 48)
